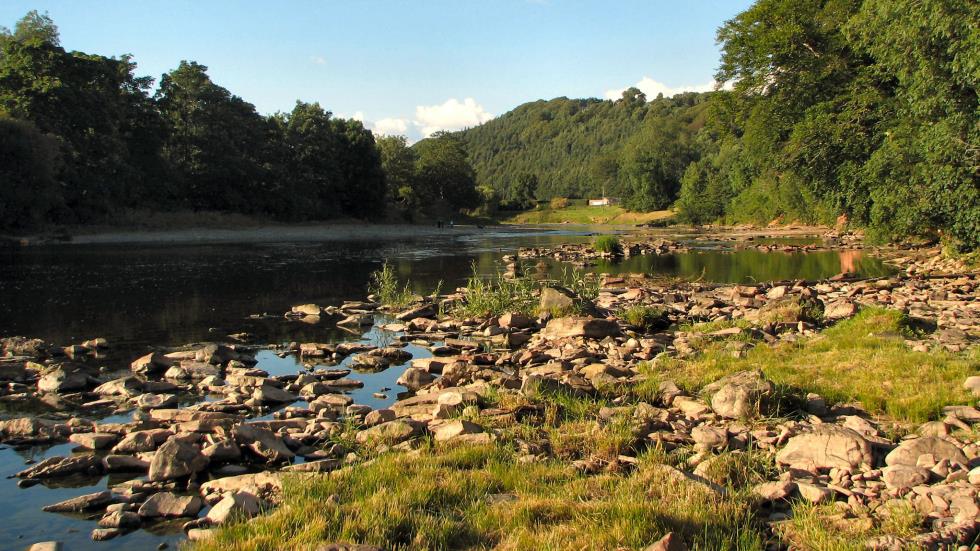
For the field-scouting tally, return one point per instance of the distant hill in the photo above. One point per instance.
(575, 147)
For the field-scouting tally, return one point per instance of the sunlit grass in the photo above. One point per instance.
(482, 498)
(863, 359)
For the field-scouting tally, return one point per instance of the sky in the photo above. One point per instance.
(403, 67)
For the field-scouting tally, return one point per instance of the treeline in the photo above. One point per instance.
(82, 137)
(867, 109)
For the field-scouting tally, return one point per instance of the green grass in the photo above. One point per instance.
(584, 214)
(496, 295)
(607, 244)
(823, 527)
(442, 500)
(862, 359)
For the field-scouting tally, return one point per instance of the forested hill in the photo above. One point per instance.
(577, 147)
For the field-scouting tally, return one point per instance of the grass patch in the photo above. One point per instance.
(861, 359)
(607, 244)
(646, 318)
(496, 295)
(584, 214)
(481, 498)
(823, 527)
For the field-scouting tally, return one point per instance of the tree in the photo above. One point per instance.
(653, 163)
(521, 193)
(398, 164)
(444, 175)
(28, 169)
(215, 141)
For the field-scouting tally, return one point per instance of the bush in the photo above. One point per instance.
(608, 244)
(560, 203)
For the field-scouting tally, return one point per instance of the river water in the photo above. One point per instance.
(142, 295)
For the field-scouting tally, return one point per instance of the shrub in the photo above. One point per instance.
(608, 244)
(560, 203)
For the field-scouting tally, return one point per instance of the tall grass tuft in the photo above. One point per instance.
(385, 286)
(497, 295)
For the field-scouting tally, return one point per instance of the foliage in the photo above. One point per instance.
(496, 295)
(607, 244)
(559, 203)
(28, 165)
(444, 176)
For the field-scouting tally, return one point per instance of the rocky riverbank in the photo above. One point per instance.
(212, 435)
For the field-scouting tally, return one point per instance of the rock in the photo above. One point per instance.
(124, 463)
(390, 433)
(368, 362)
(556, 300)
(263, 443)
(46, 546)
(151, 363)
(908, 452)
(175, 459)
(103, 534)
(62, 466)
(120, 519)
(123, 386)
(94, 440)
(453, 429)
(155, 401)
(379, 416)
(271, 394)
(421, 311)
(347, 547)
(81, 503)
(904, 477)
(816, 405)
(319, 466)
(710, 438)
(670, 542)
(828, 446)
(137, 442)
(306, 310)
(28, 429)
(264, 484)
(414, 378)
(775, 491)
(167, 504)
(814, 493)
(841, 309)
(200, 534)
(574, 326)
(234, 504)
(742, 395)
(61, 378)
(973, 385)
(513, 320)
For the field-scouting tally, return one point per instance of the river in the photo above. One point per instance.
(168, 294)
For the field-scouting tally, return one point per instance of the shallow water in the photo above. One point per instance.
(138, 296)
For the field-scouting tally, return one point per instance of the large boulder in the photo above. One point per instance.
(576, 326)
(28, 429)
(175, 459)
(234, 505)
(81, 503)
(151, 363)
(908, 452)
(826, 447)
(742, 395)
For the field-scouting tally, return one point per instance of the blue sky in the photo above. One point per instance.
(406, 67)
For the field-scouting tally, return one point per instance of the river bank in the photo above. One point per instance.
(584, 382)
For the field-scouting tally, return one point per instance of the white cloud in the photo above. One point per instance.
(652, 88)
(318, 60)
(358, 116)
(451, 115)
(390, 127)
